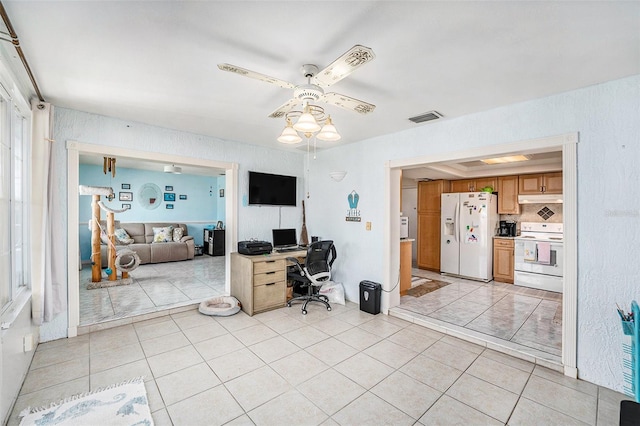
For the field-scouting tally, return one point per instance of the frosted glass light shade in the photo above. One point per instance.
(306, 124)
(289, 135)
(329, 132)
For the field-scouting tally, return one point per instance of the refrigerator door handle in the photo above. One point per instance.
(456, 223)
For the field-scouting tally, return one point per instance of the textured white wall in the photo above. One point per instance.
(607, 116)
(253, 221)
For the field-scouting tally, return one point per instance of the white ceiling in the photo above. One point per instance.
(156, 62)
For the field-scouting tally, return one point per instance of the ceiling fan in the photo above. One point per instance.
(307, 94)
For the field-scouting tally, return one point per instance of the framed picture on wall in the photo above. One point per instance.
(126, 186)
(169, 196)
(183, 197)
(126, 196)
(168, 188)
(170, 206)
(126, 206)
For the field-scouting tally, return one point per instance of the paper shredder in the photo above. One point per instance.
(370, 297)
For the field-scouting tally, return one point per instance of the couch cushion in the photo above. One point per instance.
(122, 237)
(162, 234)
(136, 231)
(168, 252)
(148, 229)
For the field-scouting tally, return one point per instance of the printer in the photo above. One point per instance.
(254, 247)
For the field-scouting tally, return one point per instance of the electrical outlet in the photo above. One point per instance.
(27, 342)
(368, 226)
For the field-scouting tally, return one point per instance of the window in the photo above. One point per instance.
(14, 186)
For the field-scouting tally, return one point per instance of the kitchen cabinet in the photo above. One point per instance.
(405, 265)
(428, 241)
(473, 185)
(508, 195)
(503, 260)
(548, 183)
(429, 195)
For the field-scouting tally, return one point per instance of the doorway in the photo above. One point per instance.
(568, 145)
(76, 149)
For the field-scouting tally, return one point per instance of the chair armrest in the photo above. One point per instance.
(186, 238)
(296, 264)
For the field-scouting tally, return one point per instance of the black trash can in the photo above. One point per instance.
(370, 297)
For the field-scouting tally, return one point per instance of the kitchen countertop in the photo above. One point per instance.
(407, 240)
(505, 238)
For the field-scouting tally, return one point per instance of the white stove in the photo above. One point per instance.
(539, 256)
(541, 231)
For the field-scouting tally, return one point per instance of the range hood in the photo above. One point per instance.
(540, 199)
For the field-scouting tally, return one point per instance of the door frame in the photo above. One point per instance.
(568, 144)
(74, 150)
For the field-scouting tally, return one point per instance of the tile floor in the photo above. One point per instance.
(341, 367)
(155, 287)
(528, 319)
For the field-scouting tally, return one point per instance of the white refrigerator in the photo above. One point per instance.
(469, 221)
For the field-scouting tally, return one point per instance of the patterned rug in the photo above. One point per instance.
(120, 404)
(421, 286)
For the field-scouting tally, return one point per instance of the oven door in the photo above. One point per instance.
(554, 268)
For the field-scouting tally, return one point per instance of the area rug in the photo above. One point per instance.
(422, 286)
(120, 404)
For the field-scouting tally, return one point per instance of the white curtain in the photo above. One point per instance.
(47, 240)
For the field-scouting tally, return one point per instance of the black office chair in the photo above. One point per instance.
(315, 271)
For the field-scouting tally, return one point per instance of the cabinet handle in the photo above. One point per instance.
(270, 284)
(269, 261)
(270, 273)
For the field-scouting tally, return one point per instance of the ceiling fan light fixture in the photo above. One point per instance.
(306, 123)
(289, 135)
(329, 132)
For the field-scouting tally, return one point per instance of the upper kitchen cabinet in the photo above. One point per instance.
(548, 183)
(472, 185)
(429, 195)
(508, 195)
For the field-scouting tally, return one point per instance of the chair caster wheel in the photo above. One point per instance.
(328, 308)
(304, 312)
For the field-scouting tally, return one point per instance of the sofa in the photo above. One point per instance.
(149, 251)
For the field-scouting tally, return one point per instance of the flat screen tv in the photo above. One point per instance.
(272, 190)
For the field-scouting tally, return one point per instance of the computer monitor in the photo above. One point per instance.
(283, 238)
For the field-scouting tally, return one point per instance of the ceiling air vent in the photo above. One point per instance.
(427, 116)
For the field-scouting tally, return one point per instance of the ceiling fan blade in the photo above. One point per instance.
(348, 102)
(284, 108)
(257, 76)
(355, 57)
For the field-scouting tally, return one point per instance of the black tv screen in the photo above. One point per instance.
(272, 190)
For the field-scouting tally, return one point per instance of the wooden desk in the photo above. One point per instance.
(260, 282)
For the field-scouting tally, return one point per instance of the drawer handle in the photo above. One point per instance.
(270, 284)
(270, 273)
(269, 261)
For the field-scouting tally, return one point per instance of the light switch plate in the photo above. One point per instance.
(368, 226)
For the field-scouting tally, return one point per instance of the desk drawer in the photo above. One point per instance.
(269, 295)
(268, 266)
(269, 277)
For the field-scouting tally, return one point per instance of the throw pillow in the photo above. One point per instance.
(122, 237)
(177, 234)
(163, 235)
(104, 238)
